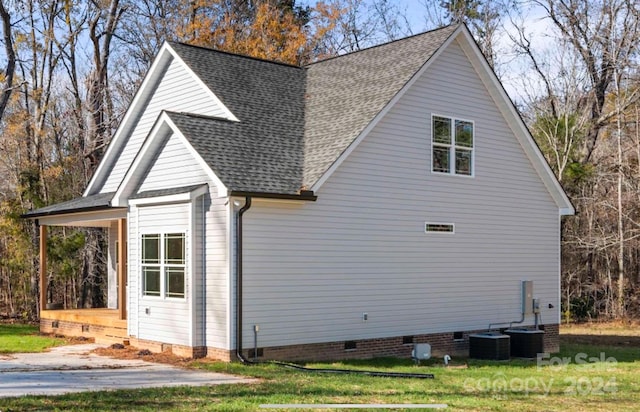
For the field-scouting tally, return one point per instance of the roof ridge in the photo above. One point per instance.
(211, 49)
(456, 25)
(198, 116)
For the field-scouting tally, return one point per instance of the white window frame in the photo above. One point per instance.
(452, 146)
(163, 266)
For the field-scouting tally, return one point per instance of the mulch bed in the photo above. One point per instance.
(129, 352)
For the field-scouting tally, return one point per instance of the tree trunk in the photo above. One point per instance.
(9, 51)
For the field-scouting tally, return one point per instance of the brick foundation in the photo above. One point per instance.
(221, 354)
(401, 346)
(441, 344)
(178, 350)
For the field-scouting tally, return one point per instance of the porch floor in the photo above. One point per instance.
(103, 325)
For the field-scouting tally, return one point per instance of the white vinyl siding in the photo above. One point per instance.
(176, 91)
(217, 269)
(174, 166)
(311, 270)
(160, 319)
(210, 309)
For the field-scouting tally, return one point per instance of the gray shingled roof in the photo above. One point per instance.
(93, 202)
(345, 93)
(166, 192)
(263, 152)
(295, 122)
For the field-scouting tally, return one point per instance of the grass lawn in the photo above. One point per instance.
(583, 377)
(24, 338)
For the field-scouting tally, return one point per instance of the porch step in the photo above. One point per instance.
(109, 340)
(111, 335)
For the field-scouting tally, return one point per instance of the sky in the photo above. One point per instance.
(513, 70)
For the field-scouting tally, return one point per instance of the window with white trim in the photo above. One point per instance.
(163, 265)
(452, 146)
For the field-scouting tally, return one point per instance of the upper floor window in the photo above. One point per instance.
(452, 146)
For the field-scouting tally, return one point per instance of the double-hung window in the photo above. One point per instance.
(163, 265)
(452, 146)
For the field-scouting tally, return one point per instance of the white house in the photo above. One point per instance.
(347, 208)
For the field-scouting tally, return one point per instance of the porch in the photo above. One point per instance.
(104, 325)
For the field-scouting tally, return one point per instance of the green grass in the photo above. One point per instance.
(518, 385)
(25, 339)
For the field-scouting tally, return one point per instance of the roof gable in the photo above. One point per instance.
(148, 101)
(293, 126)
(515, 121)
(263, 151)
(245, 157)
(345, 94)
(296, 122)
(163, 130)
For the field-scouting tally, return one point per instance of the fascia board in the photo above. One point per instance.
(165, 55)
(98, 218)
(163, 128)
(176, 198)
(513, 118)
(327, 174)
(141, 162)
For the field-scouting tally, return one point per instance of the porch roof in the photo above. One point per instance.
(168, 192)
(91, 211)
(91, 203)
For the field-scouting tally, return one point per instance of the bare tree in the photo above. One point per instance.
(361, 23)
(103, 21)
(581, 113)
(5, 19)
(603, 35)
(483, 17)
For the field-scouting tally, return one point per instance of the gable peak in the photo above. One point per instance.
(449, 29)
(173, 45)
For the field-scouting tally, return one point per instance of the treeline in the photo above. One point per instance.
(69, 68)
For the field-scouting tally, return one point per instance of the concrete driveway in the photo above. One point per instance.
(74, 368)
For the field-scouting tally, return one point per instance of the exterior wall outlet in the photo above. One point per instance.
(365, 317)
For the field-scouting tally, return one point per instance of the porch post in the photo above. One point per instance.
(122, 268)
(43, 267)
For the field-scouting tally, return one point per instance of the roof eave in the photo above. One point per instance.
(61, 212)
(319, 182)
(305, 195)
(520, 129)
